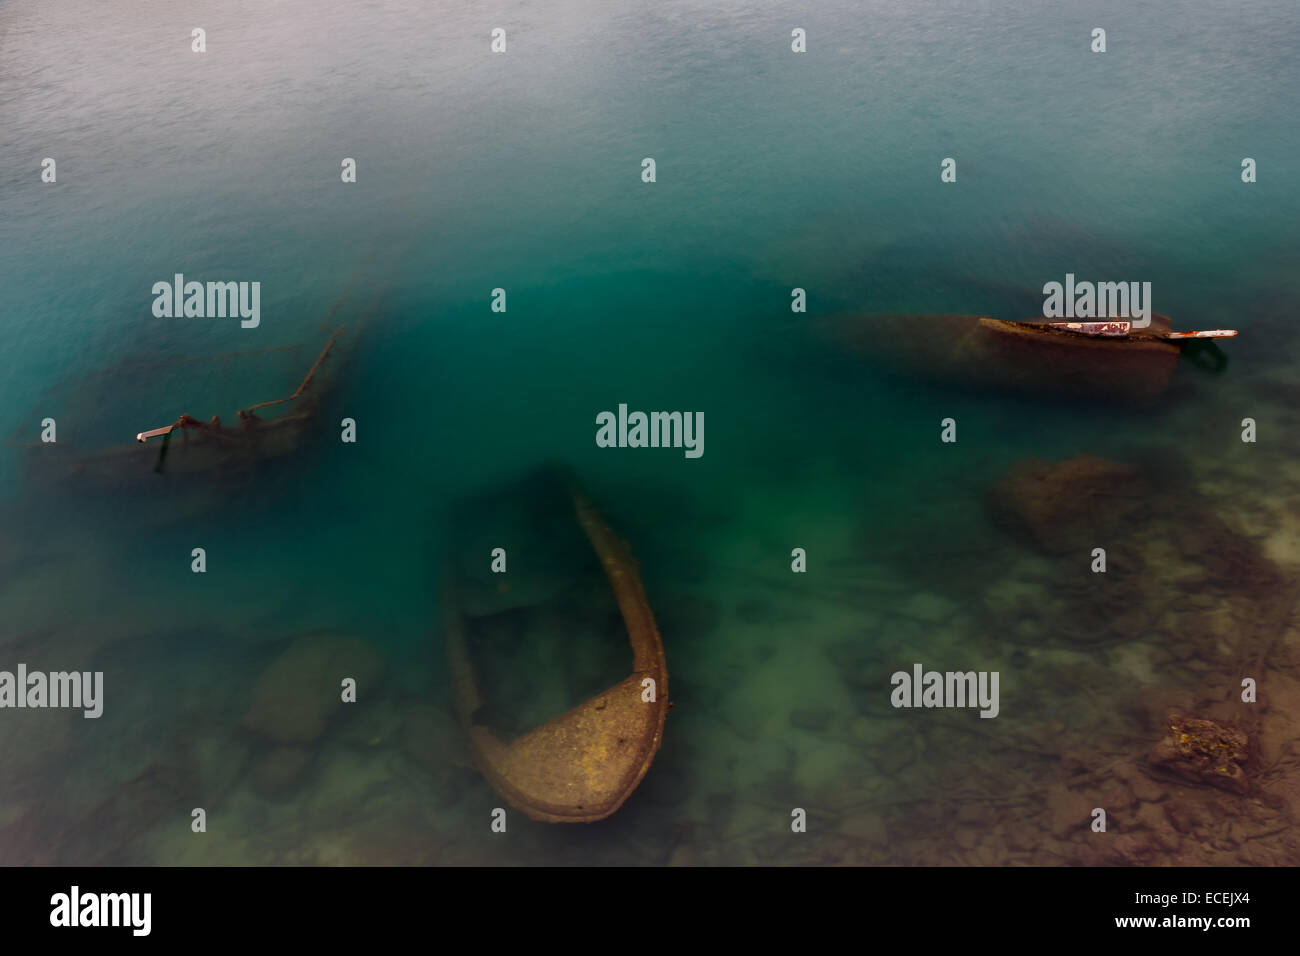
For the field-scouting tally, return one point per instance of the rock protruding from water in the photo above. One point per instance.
(301, 691)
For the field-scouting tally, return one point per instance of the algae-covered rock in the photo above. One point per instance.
(301, 690)
(1203, 751)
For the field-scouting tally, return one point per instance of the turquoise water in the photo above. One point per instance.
(523, 172)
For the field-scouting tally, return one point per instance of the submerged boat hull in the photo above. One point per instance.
(583, 765)
(191, 447)
(212, 451)
(1018, 356)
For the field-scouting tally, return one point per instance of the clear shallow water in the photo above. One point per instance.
(523, 172)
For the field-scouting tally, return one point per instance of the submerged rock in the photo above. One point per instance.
(111, 832)
(280, 768)
(301, 690)
(811, 718)
(34, 742)
(864, 826)
(928, 608)
(218, 760)
(685, 854)
(432, 740)
(1172, 565)
(1203, 751)
(1063, 506)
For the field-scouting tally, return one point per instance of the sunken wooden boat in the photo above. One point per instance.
(1098, 360)
(111, 404)
(102, 410)
(188, 445)
(581, 766)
